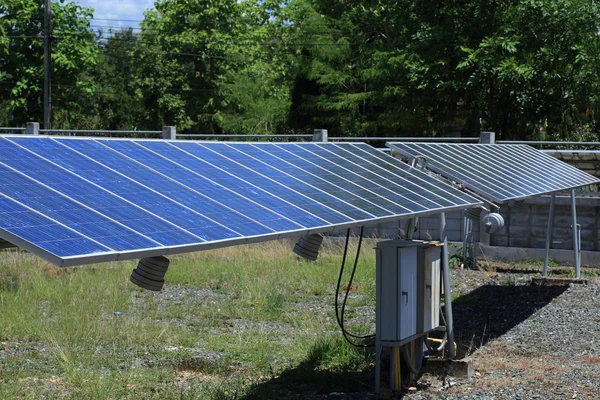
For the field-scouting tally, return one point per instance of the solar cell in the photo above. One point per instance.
(498, 172)
(74, 201)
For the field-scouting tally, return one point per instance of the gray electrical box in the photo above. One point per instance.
(408, 293)
(408, 289)
(396, 291)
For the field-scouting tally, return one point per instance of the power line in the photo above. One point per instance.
(118, 20)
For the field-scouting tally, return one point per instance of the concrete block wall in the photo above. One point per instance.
(526, 223)
(427, 229)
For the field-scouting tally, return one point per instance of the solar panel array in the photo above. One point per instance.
(498, 172)
(75, 201)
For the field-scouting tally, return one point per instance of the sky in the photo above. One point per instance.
(116, 13)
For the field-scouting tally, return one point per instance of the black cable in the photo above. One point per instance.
(339, 282)
(340, 316)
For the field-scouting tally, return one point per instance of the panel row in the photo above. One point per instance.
(498, 172)
(75, 197)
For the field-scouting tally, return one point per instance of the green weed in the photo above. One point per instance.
(227, 322)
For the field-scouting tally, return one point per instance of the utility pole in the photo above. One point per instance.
(47, 66)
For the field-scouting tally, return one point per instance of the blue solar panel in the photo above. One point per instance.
(498, 172)
(76, 200)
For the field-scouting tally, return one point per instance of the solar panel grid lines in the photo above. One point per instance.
(74, 201)
(192, 190)
(292, 223)
(154, 190)
(443, 160)
(322, 178)
(453, 160)
(498, 172)
(487, 183)
(488, 177)
(60, 233)
(513, 165)
(517, 160)
(547, 161)
(300, 189)
(83, 206)
(115, 197)
(334, 172)
(409, 196)
(541, 167)
(389, 167)
(317, 212)
(205, 165)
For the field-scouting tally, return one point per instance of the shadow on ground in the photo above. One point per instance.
(479, 316)
(490, 311)
(310, 380)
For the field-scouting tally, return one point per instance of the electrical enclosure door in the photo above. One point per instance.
(431, 289)
(407, 321)
(397, 288)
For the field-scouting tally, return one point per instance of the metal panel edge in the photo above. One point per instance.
(35, 250)
(165, 251)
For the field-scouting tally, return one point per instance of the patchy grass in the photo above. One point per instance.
(228, 324)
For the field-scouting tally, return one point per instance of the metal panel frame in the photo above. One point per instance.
(518, 153)
(465, 202)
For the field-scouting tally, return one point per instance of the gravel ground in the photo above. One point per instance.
(526, 342)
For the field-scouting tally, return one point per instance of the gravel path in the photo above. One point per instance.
(526, 342)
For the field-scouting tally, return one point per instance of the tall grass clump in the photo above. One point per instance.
(226, 320)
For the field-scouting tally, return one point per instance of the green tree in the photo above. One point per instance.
(21, 56)
(425, 67)
(213, 66)
(115, 103)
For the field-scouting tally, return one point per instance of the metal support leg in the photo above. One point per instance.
(549, 235)
(377, 367)
(465, 240)
(411, 227)
(575, 238)
(447, 296)
(395, 371)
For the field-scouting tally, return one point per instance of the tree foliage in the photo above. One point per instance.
(522, 68)
(21, 56)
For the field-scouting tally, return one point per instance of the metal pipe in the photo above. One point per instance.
(447, 296)
(405, 139)
(539, 142)
(396, 374)
(471, 245)
(575, 241)
(410, 228)
(241, 136)
(100, 131)
(549, 235)
(465, 234)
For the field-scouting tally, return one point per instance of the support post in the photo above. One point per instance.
(32, 128)
(395, 371)
(47, 67)
(465, 238)
(549, 235)
(487, 137)
(169, 133)
(320, 135)
(484, 237)
(447, 295)
(575, 238)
